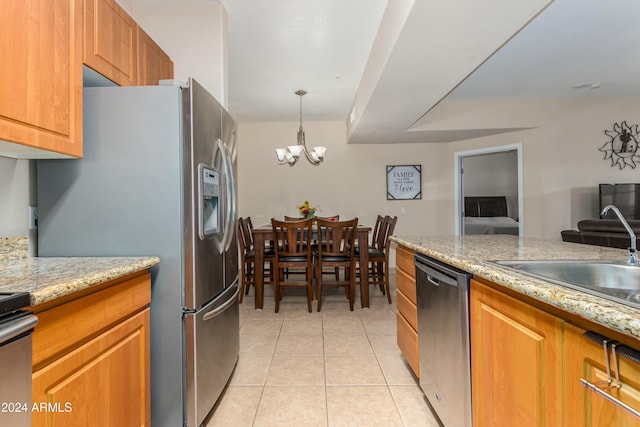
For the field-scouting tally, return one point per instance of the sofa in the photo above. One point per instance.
(602, 232)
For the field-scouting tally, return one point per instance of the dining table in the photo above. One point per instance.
(264, 233)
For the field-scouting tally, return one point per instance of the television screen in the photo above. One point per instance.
(626, 197)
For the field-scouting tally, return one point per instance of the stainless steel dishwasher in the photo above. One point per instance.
(442, 293)
(16, 326)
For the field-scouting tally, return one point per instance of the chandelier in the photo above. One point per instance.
(291, 154)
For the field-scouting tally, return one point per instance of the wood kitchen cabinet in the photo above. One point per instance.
(407, 318)
(584, 407)
(153, 63)
(117, 47)
(91, 356)
(516, 361)
(110, 41)
(41, 78)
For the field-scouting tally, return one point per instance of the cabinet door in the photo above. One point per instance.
(584, 407)
(153, 63)
(110, 41)
(103, 382)
(41, 78)
(516, 361)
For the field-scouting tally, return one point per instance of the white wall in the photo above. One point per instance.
(561, 162)
(193, 33)
(350, 182)
(14, 197)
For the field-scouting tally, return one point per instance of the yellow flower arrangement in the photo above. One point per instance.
(306, 210)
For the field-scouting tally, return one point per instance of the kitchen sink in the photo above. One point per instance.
(611, 279)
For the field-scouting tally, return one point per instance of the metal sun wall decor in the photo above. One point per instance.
(622, 148)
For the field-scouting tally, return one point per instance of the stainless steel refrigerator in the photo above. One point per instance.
(158, 178)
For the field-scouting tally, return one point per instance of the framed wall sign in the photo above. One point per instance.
(404, 182)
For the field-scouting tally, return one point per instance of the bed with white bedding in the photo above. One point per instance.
(488, 215)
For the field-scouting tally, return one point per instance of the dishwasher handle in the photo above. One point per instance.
(433, 280)
(17, 326)
(436, 277)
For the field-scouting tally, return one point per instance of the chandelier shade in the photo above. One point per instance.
(291, 154)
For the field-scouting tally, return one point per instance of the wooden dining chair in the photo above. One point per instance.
(292, 242)
(374, 240)
(292, 218)
(247, 258)
(376, 231)
(335, 249)
(379, 257)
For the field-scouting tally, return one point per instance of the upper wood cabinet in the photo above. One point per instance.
(110, 41)
(153, 63)
(119, 49)
(516, 361)
(41, 78)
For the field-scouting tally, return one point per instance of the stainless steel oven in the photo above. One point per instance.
(16, 326)
(442, 293)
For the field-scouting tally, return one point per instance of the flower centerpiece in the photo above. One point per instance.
(306, 210)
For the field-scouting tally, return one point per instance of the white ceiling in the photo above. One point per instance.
(277, 47)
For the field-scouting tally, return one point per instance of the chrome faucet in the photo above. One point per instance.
(633, 256)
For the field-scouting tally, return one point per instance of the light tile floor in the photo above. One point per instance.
(333, 368)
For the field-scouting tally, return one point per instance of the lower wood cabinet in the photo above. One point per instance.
(584, 359)
(526, 366)
(516, 361)
(407, 318)
(91, 358)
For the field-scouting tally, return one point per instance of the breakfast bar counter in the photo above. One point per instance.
(475, 253)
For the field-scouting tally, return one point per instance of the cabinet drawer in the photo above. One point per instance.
(406, 285)
(407, 309)
(408, 343)
(69, 325)
(404, 261)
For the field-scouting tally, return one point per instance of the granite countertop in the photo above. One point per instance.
(473, 253)
(49, 278)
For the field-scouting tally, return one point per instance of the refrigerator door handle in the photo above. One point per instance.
(232, 199)
(219, 310)
(230, 204)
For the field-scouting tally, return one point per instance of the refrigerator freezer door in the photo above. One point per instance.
(211, 352)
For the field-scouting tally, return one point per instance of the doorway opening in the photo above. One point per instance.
(492, 178)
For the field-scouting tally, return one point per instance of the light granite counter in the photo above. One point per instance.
(49, 278)
(472, 253)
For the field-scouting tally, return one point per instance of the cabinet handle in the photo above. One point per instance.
(607, 396)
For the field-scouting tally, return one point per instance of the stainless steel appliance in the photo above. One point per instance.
(442, 293)
(158, 178)
(16, 326)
